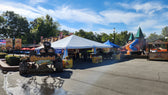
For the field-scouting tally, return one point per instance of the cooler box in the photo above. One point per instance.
(67, 63)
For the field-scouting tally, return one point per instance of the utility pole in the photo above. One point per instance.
(114, 35)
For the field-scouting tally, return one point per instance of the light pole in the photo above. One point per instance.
(166, 38)
(114, 35)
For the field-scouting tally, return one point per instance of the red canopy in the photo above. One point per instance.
(32, 49)
(25, 49)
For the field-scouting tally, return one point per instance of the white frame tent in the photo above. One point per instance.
(75, 42)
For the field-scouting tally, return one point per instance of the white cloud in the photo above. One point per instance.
(165, 15)
(69, 28)
(73, 15)
(106, 3)
(63, 27)
(37, 1)
(21, 9)
(148, 23)
(64, 13)
(147, 8)
(103, 30)
(79, 15)
(112, 16)
(152, 24)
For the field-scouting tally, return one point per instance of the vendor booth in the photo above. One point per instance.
(76, 42)
(113, 46)
(110, 52)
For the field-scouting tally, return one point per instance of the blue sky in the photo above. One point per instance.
(96, 15)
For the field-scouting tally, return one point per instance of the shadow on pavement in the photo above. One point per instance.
(66, 74)
(86, 65)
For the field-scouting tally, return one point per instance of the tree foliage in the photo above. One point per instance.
(89, 35)
(104, 37)
(153, 37)
(2, 21)
(14, 25)
(44, 27)
(65, 32)
(120, 38)
(165, 31)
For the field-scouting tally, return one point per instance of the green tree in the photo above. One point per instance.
(65, 32)
(98, 37)
(14, 25)
(45, 27)
(123, 37)
(153, 37)
(120, 38)
(165, 33)
(88, 35)
(2, 21)
(81, 33)
(104, 37)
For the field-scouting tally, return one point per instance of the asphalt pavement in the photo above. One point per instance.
(112, 77)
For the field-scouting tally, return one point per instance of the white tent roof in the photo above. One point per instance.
(76, 42)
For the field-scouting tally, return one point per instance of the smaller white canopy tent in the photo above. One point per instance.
(76, 42)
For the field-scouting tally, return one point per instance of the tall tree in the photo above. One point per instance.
(65, 32)
(123, 38)
(81, 33)
(104, 37)
(153, 37)
(45, 27)
(14, 25)
(165, 33)
(2, 21)
(90, 35)
(98, 37)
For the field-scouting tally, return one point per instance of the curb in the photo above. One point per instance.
(5, 67)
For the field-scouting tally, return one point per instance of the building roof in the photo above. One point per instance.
(131, 38)
(139, 33)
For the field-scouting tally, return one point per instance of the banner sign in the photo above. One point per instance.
(18, 43)
(36, 58)
(9, 43)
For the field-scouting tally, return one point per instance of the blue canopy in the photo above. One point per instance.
(112, 44)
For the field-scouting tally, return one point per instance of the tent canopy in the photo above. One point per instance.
(111, 44)
(76, 42)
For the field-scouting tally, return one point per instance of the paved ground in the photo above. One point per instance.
(131, 77)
